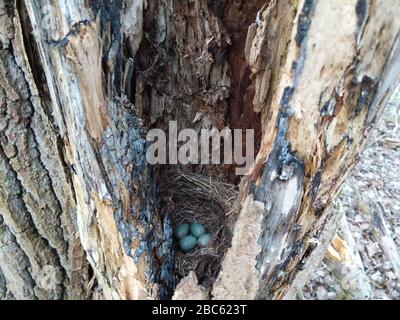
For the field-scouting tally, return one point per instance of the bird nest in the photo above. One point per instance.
(207, 200)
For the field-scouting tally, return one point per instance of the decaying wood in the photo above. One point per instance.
(333, 85)
(345, 262)
(104, 142)
(243, 285)
(81, 80)
(189, 289)
(383, 236)
(318, 249)
(73, 154)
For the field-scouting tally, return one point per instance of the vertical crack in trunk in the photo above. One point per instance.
(191, 68)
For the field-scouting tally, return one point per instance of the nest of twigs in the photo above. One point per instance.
(207, 200)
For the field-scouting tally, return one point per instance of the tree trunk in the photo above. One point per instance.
(81, 81)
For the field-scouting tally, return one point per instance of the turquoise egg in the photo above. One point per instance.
(197, 229)
(187, 243)
(181, 231)
(204, 240)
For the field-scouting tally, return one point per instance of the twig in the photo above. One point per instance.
(383, 236)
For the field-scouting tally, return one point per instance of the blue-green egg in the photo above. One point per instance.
(181, 231)
(204, 240)
(197, 230)
(188, 243)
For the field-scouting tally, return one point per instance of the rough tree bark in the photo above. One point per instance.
(81, 80)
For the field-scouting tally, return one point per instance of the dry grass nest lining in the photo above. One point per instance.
(207, 200)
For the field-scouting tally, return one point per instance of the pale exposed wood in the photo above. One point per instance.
(329, 93)
(189, 289)
(318, 250)
(243, 284)
(103, 142)
(345, 262)
(73, 156)
(383, 236)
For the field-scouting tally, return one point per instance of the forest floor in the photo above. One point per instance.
(375, 180)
